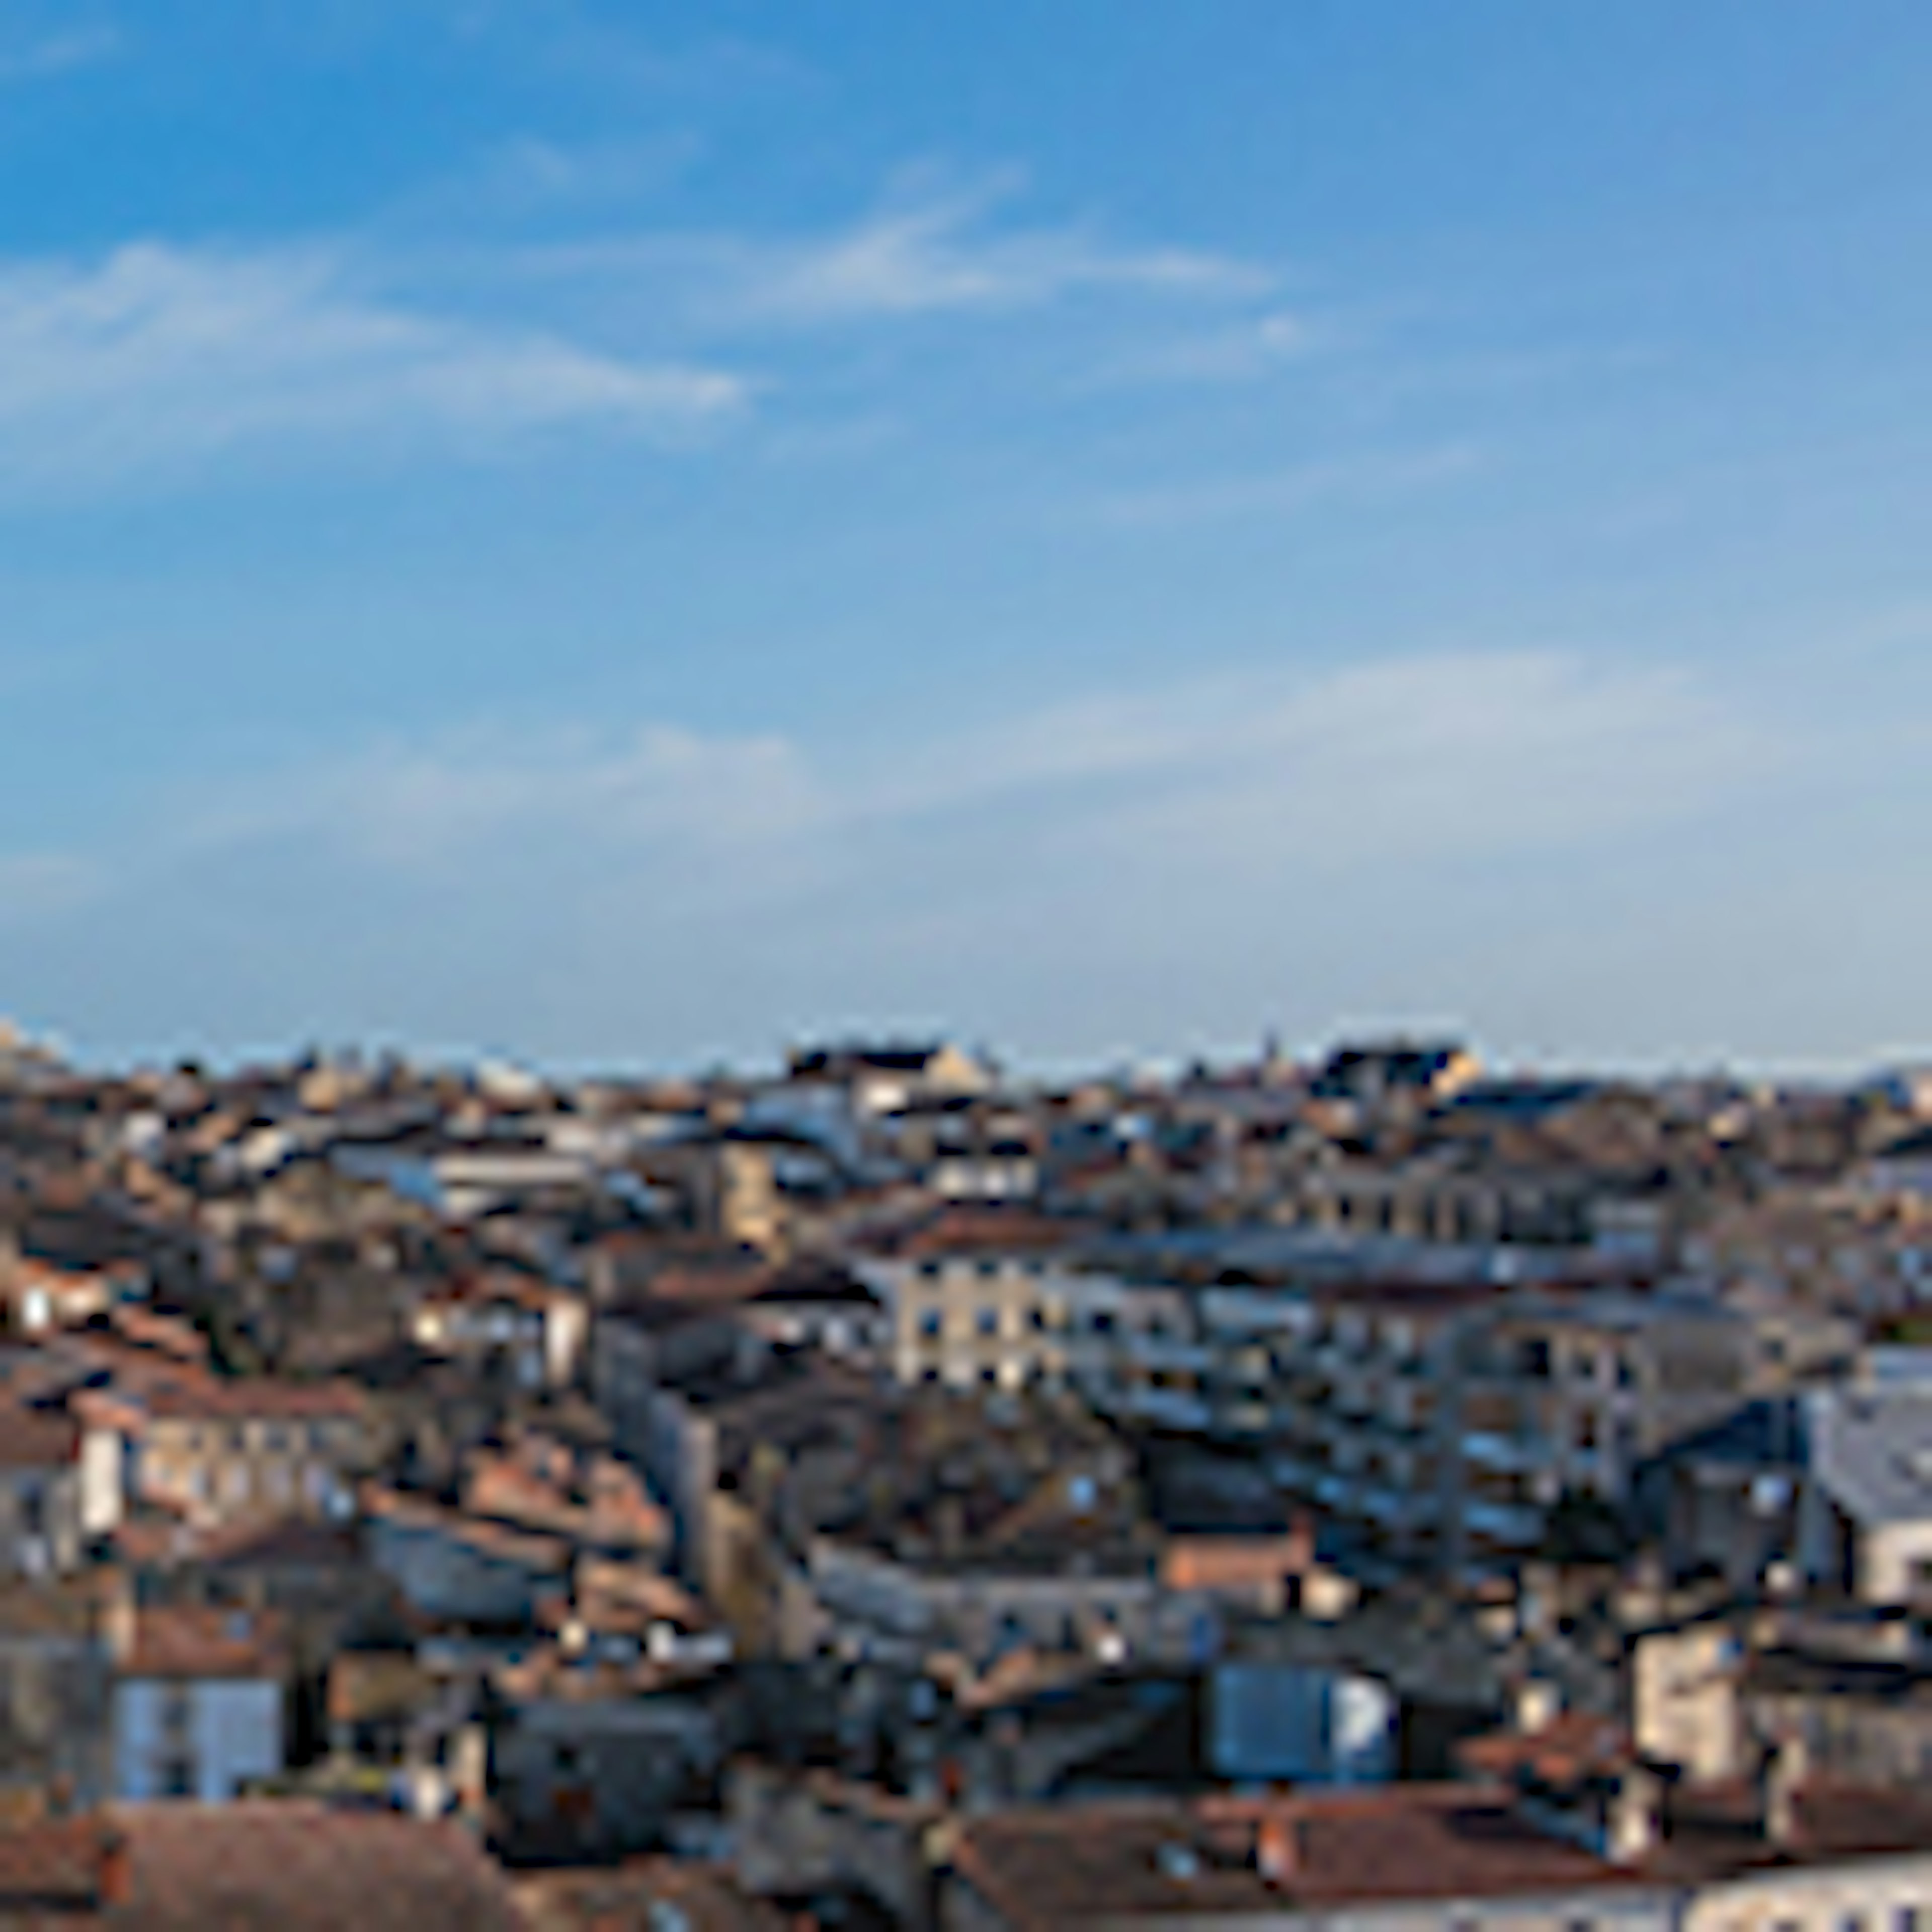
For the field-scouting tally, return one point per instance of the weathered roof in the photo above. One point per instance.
(303, 1867)
(1872, 1451)
(1070, 1865)
(203, 1641)
(36, 1439)
(709, 1899)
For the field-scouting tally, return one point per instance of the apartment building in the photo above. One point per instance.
(1366, 1404)
(1565, 1393)
(978, 1299)
(200, 1698)
(1446, 1194)
(216, 1450)
(1429, 1424)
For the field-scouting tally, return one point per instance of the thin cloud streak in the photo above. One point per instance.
(565, 885)
(934, 256)
(155, 358)
(1478, 755)
(920, 255)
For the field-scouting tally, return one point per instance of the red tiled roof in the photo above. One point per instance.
(987, 1231)
(251, 1399)
(302, 1866)
(32, 1438)
(51, 1863)
(710, 1899)
(197, 1640)
(1570, 1748)
(1431, 1841)
(1072, 1865)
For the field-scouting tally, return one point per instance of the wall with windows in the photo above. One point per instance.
(194, 1738)
(1889, 1894)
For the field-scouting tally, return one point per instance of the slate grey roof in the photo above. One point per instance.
(1872, 1451)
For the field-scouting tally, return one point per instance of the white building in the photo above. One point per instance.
(198, 1700)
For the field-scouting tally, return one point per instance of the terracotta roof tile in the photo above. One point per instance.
(197, 1640)
(1067, 1866)
(305, 1868)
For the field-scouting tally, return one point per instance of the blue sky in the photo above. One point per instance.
(623, 533)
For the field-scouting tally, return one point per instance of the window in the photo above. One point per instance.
(176, 1777)
(988, 1321)
(928, 1324)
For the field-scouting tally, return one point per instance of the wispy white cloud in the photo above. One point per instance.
(428, 802)
(1241, 351)
(44, 56)
(1474, 756)
(940, 253)
(1484, 750)
(153, 358)
(1480, 754)
(922, 253)
(568, 885)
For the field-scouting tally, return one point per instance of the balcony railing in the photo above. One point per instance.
(1503, 1523)
(1488, 1449)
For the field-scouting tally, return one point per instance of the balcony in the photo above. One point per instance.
(1394, 1508)
(1244, 1418)
(1511, 1524)
(1171, 1408)
(1511, 1455)
(1167, 1352)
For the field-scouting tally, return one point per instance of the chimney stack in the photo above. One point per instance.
(1278, 1848)
(115, 1879)
(1539, 1702)
(1634, 1822)
(118, 1615)
(1785, 1778)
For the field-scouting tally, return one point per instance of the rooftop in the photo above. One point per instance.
(1067, 1866)
(186, 1640)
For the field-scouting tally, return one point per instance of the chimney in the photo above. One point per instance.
(1633, 1826)
(114, 1880)
(1538, 1704)
(1301, 1544)
(117, 1615)
(1784, 1779)
(1278, 1848)
(469, 1773)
